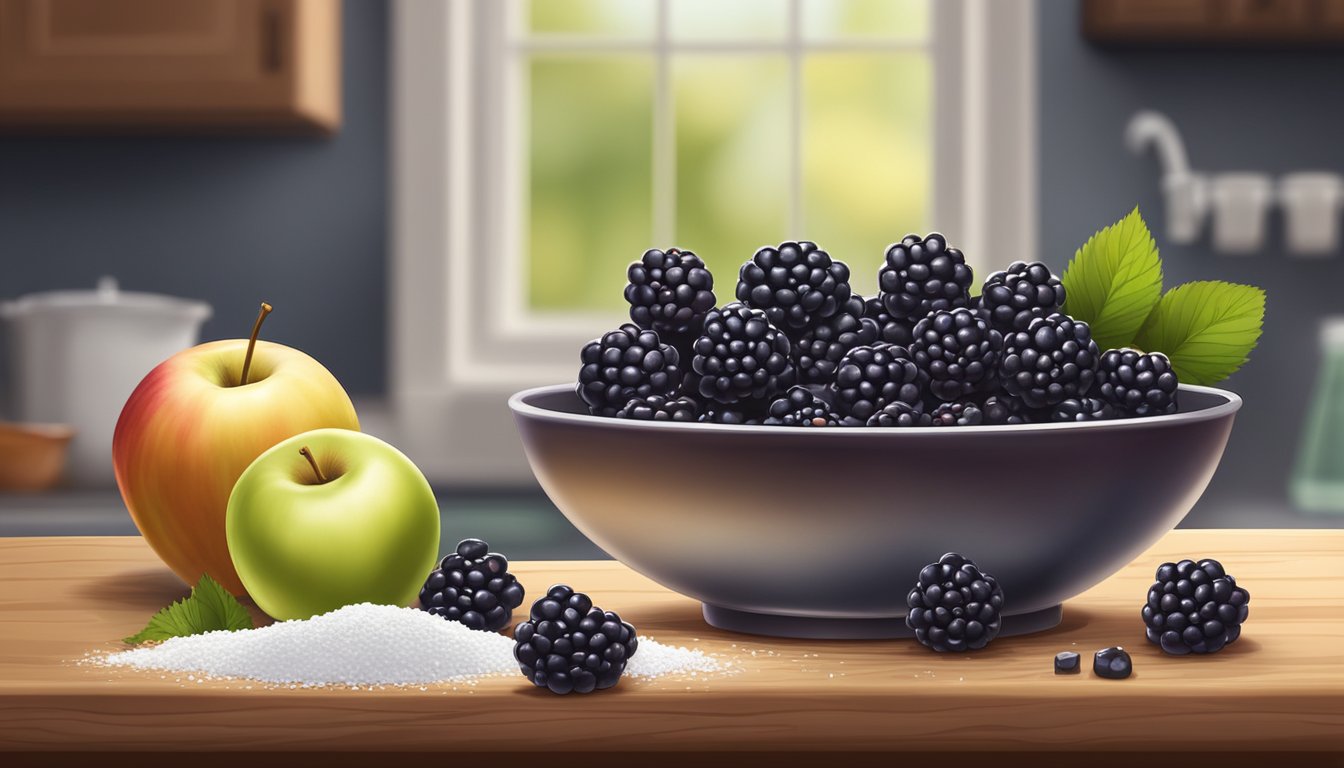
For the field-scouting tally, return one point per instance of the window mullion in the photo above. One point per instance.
(664, 136)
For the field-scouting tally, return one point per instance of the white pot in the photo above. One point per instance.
(75, 357)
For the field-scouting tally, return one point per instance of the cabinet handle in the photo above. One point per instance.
(270, 40)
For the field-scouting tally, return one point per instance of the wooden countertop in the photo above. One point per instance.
(1280, 687)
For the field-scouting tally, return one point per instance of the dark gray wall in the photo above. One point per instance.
(299, 222)
(1263, 111)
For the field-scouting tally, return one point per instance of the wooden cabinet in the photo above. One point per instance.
(255, 65)
(1257, 23)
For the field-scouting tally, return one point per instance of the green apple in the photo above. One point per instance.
(329, 518)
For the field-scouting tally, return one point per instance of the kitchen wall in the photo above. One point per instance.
(1262, 111)
(299, 222)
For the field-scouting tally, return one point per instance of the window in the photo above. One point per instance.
(542, 145)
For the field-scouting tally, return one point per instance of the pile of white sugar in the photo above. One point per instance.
(370, 645)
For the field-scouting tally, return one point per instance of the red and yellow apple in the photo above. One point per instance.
(192, 426)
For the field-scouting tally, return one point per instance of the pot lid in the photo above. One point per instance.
(107, 296)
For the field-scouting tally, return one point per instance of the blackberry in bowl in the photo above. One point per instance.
(922, 275)
(818, 350)
(741, 355)
(1013, 297)
(1137, 384)
(669, 292)
(800, 408)
(868, 378)
(1052, 360)
(796, 284)
(959, 353)
(626, 363)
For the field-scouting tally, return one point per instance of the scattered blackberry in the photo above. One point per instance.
(669, 292)
(870, 377)
(624, 364)
(796, 284)
(1013, 297)
(1053, 360)
(957, 415)
(660, 408)
(817, 350)
(899, 414)
(740, 355)
(1001, 409)
(1112, 663)
(570, 646)
(1067, 663)
(921, 275)
(800, 408)
(1194, 607)
(889, 329)
(1136, 383)
(954, 607)
(958, 351)
(1083, 409)
(473, 586)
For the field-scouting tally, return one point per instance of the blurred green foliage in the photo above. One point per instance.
(865, 138)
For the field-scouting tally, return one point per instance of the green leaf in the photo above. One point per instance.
(1207, 328)
(1114, 281)
(209, 607)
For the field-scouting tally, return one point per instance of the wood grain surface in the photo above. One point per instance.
(1280, 687)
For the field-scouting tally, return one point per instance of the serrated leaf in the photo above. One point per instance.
(209, 607)
(1207, 328)
(1114, 281)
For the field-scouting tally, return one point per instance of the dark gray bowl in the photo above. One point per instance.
(806, 532)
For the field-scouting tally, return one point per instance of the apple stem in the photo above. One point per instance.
(252, 341)
(307, 454)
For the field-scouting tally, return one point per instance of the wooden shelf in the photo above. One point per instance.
(1280, 687)
(269, 66)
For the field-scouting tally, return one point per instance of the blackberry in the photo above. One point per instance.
(800, 408)
(740, 355)
(1112, 663)
(899, 414)
(922, 275)
(1194, 607)
(870, 377)
(957, 415)
(570, 646)
(959, 352)
(669, 292)
(660, 408)
(1001, 409)
(1053, 360)
(1067, 663)
(1083, 409)
(954, 606)
(718, 413)
(889, 329)
(626, 363)
(817, 351)
(796, 284)
(473, 586)
(1013, 297)
(1137, 384)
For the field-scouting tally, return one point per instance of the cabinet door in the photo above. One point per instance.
(165, 63)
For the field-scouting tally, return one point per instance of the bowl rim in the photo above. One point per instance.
(519, 406)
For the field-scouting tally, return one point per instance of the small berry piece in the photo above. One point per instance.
(954, 606)
(921, 275)
(1137, 383)
(1112, 663)
(669, 291)
(800, 408)
(1083, 409)
(1194, 608)
(570, 646)
(1067, 663)
(959, 352)
(818, 350)
(796, 284)
(473, 586)
(741, 355)
(899, 414)
(1053, 360)
(660, 408)
(1024, 291)
(957, 415)
(743, 413)
(869, 378)
(626, 363)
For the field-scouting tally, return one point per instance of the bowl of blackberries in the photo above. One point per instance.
(789, 457)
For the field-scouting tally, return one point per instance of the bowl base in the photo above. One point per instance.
(812, 628)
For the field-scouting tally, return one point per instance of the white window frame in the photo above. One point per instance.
(459, 348)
